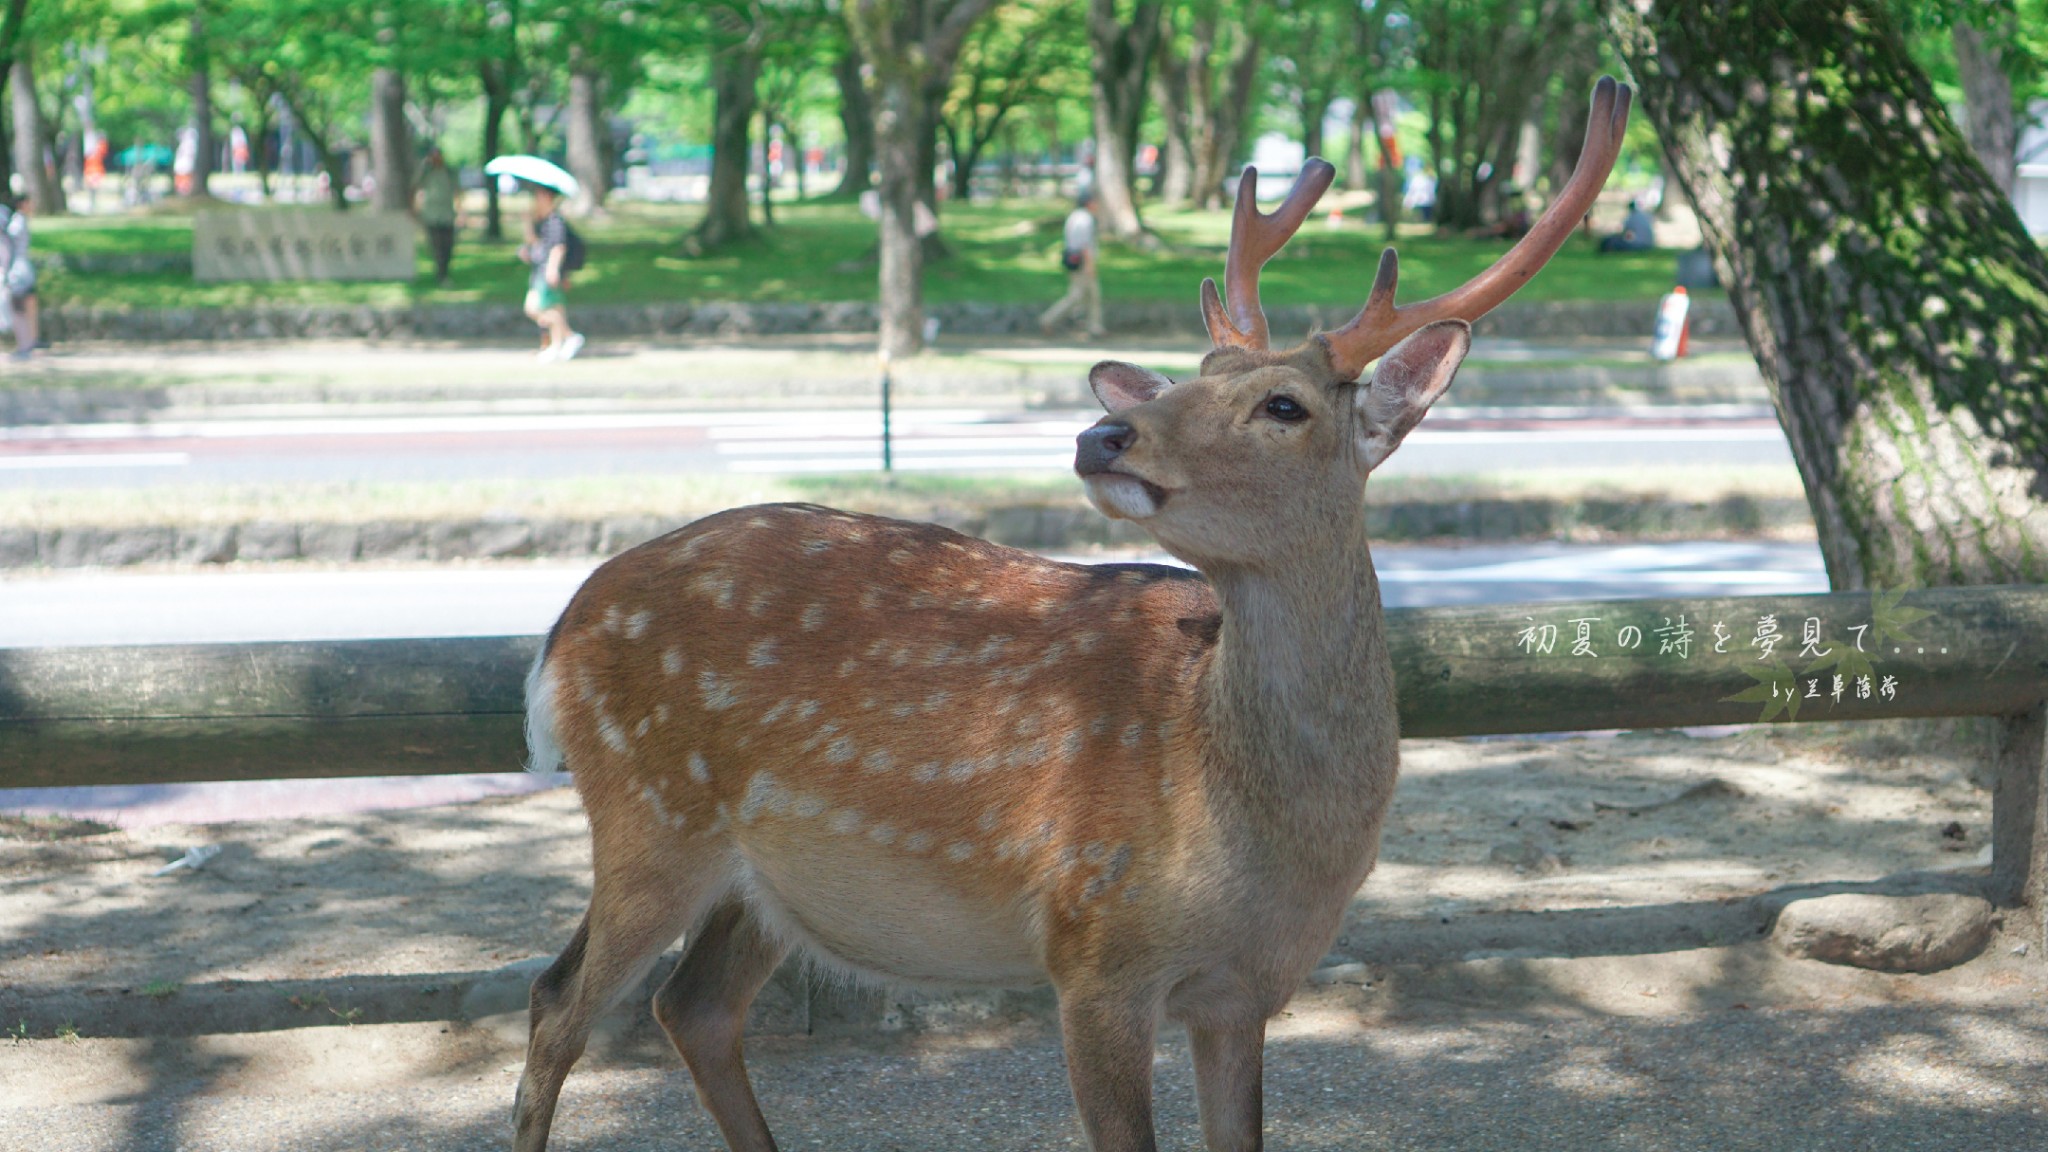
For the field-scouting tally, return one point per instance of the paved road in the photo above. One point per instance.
(70, 608)
(529, 446)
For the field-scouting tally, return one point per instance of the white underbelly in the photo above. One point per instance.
(879, 913)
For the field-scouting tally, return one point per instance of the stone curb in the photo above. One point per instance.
(69, 322)
(799, 1001)
(1040, 526)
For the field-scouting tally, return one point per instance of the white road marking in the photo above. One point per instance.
(71, 460)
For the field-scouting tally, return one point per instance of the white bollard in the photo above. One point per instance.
(1668, 342)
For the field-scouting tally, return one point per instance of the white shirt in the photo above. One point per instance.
(1080, 230)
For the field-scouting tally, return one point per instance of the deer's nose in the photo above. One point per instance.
(1099, 447)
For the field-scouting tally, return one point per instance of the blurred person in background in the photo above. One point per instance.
(549, 249)
(20, 276)
(1079, 250)
(437, 193)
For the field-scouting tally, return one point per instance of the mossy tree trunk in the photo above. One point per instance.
(1896, 306)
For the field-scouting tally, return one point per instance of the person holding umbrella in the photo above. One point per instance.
(552, 250)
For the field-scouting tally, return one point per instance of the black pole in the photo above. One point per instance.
(888, 456)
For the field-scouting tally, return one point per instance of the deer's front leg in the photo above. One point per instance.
(1229, 1064)
(1108, 1037)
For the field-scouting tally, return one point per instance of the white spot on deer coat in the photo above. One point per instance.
(636, 624)
(813, 618)
(761, 653)
(1133, 732)
(845, 821)
(959, 850)
(807, 709)
(718, 694)
(917, 842)
(610, 732)
(840, 751)
(775, 713)
(763, 795)
(700, 771)
(882, 834)
(672, 662)
(880, 760)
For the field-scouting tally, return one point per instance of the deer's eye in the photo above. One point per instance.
(1286, 409)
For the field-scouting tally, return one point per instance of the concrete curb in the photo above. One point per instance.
(70, 322)
(799, 1001)
(1039, 526)
(847, 380)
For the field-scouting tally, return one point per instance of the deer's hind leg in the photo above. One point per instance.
(635, 912)
(703, 1007)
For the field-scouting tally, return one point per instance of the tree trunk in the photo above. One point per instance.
(1176, 163)
(1894, 302)
(390, 141)
(497, 98)
(1354, 157)
(912, 48)
(897, 116)
(586, 138)
(331, 162)
(767, 169)
(31, 135)
(200, 83)
(857, 120)
(1123, 55)
(1313, 110)
(735, 72)
(1987, 91)
(1571, 136)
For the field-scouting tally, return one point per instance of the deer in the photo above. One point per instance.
(923, 759)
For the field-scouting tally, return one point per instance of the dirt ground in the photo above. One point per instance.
(1566, 828)
(1559, 950)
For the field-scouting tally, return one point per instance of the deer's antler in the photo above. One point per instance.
(1380, 325)
(1254, 237)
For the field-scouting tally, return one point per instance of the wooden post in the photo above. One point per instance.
(2019, 810)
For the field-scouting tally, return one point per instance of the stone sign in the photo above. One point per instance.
(302, 244)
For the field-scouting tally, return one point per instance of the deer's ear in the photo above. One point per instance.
(1407, 381)
(1119, 385)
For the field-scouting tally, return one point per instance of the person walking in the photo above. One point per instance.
(549, 241)
(1078, 255)
(20, 279)
(437, 193)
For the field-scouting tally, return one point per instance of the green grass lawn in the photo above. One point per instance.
(1001, 253)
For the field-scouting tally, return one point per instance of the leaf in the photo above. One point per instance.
(1775, 688)
(1845, 661)
(1889, 619)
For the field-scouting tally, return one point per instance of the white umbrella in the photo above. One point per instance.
(533, 170)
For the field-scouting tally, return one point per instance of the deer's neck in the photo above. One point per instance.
(1301, 695)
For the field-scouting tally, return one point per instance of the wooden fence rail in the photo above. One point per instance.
(153, 714)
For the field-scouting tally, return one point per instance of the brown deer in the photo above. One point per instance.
(924, 758)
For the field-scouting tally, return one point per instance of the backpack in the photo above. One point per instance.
(572, 258)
